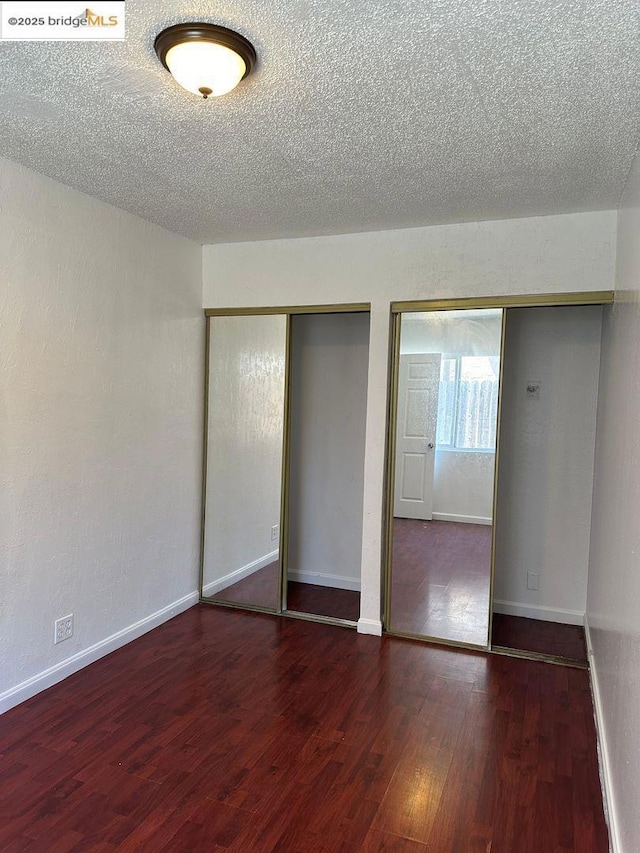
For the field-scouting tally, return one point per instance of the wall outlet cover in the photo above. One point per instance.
(63, 629)
(533, 580)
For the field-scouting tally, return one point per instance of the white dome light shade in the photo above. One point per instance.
(205, 59)
(201, 65)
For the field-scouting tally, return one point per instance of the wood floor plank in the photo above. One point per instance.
(412, 799)
(536, 635)
(383, 842)
(224, 730)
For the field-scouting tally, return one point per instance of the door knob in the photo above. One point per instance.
(431, 445)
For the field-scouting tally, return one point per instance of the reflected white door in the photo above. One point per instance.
(418, 387)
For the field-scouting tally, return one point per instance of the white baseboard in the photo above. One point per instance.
(603, 752)
(538, 611)
(464, 519)
(37, 683)
(336, 581)
(370, 626)
(238, 574)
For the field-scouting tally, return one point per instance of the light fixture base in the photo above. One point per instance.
(202, 31)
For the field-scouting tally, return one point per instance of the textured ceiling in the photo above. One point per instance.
(362, 115)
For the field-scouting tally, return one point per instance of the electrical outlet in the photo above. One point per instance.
(275, 531)
(63, 629)
(532, 580)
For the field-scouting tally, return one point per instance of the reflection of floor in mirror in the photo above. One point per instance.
(261, 589)
(323, 600)
(440, 579)
(535, 635)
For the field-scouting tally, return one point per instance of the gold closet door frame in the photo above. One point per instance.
(539, 300)
(283, 543)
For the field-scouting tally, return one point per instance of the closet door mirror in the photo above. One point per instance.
(245, 425)
(447, 387)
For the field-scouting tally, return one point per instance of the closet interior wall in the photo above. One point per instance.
(329, 357)
(546, 463)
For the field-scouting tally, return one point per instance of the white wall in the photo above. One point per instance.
(463, 486)
(538, 255)
(101, 348)
(545, 476)
(330, 357)
(613, 604)
(244, 461)
(462, 481)
(473, 332)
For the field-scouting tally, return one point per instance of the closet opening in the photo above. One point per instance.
(329, 363)
(545, 481)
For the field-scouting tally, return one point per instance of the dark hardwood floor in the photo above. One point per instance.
(440, 588)
(323, 600)
(261, 588)
(224, 730)
(534, 635)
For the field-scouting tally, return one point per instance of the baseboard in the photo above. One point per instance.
(238, 574)
(537, 611)
(370, 626)
(37, 683)
(603, 752)
(336, 581)
(464, 519)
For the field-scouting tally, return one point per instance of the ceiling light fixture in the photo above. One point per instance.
(204, 58)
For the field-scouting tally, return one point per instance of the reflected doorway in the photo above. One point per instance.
(447, 387)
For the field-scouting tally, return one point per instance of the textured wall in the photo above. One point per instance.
(613, 602)
(101, 351)
(538, 255)
(545, 476)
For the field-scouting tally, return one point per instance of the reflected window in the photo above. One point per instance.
(468, 402)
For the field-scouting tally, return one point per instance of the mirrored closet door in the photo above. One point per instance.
(286, 393)
(442, 468)
(490, 471)
(246, 382)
